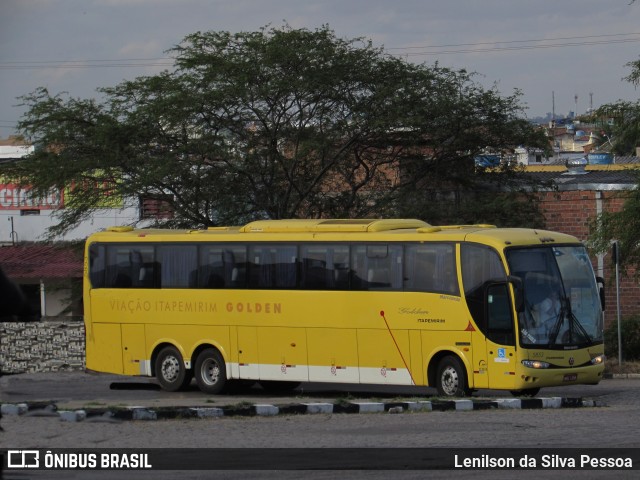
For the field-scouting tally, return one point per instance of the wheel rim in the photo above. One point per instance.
(210, 371)
(170, 368)
(450, 381)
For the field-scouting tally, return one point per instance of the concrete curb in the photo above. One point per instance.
(249, 410)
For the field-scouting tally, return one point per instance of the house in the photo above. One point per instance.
(568, 142)
(24, 218)
(50, 276)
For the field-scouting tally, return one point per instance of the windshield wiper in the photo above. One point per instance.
(574, 324)
(559, 319)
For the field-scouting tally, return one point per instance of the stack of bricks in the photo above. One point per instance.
(47, 346)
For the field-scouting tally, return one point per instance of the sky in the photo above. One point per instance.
(552, 51)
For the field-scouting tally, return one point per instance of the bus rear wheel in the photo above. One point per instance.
(210, 371)
(451, 380)
(170, 370)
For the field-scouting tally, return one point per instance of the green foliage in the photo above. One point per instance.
(630, 333)
(625, 130)
(623, 226)
(278, 123)
(634, 76)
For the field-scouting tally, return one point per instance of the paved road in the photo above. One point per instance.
(77, 389)
(615, 425)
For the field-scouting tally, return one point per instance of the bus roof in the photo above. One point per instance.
(336, 225)
(344, 230)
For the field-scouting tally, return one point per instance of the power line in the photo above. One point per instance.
(515, 41)
(522, 47)
(72, 64)
(608, 39)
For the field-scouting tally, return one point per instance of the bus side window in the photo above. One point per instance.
(97, 265)
(178, 264)
(499, 321)
(143, 267)
(446, 277)
(273, 266)
(431, 268)
(316, 267)
(420, 262)
(130, 266)
(222, 266)
(481, 266)
(324, 267)
(376, 267)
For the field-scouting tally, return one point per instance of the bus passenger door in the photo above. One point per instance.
(500, 337)
(486, 292)
(480, 367)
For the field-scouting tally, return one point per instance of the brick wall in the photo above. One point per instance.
(571, 212)
(47, 346)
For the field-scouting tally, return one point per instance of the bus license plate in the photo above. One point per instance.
(571, 377)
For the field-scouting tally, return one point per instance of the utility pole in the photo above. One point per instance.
(615, 250)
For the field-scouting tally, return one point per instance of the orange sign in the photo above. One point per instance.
(14, 197)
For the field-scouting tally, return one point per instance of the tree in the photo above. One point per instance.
(278, 123)
(625, 130)
(624, 225)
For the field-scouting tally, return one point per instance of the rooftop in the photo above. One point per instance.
(35, 261)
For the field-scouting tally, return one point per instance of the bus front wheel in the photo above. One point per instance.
(451, 380)
(170, 370)
(210, 371)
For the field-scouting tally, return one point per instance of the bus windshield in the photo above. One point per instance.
(561, 302)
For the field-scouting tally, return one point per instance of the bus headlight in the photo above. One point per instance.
(597, 360)
(535, 364)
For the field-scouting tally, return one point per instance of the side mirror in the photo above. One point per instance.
(600, 283)
(516, 283)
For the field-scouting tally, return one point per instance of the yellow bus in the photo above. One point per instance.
(394, 302)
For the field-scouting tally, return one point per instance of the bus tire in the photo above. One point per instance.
(170, 370)
(210, 371)
(451, 380)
